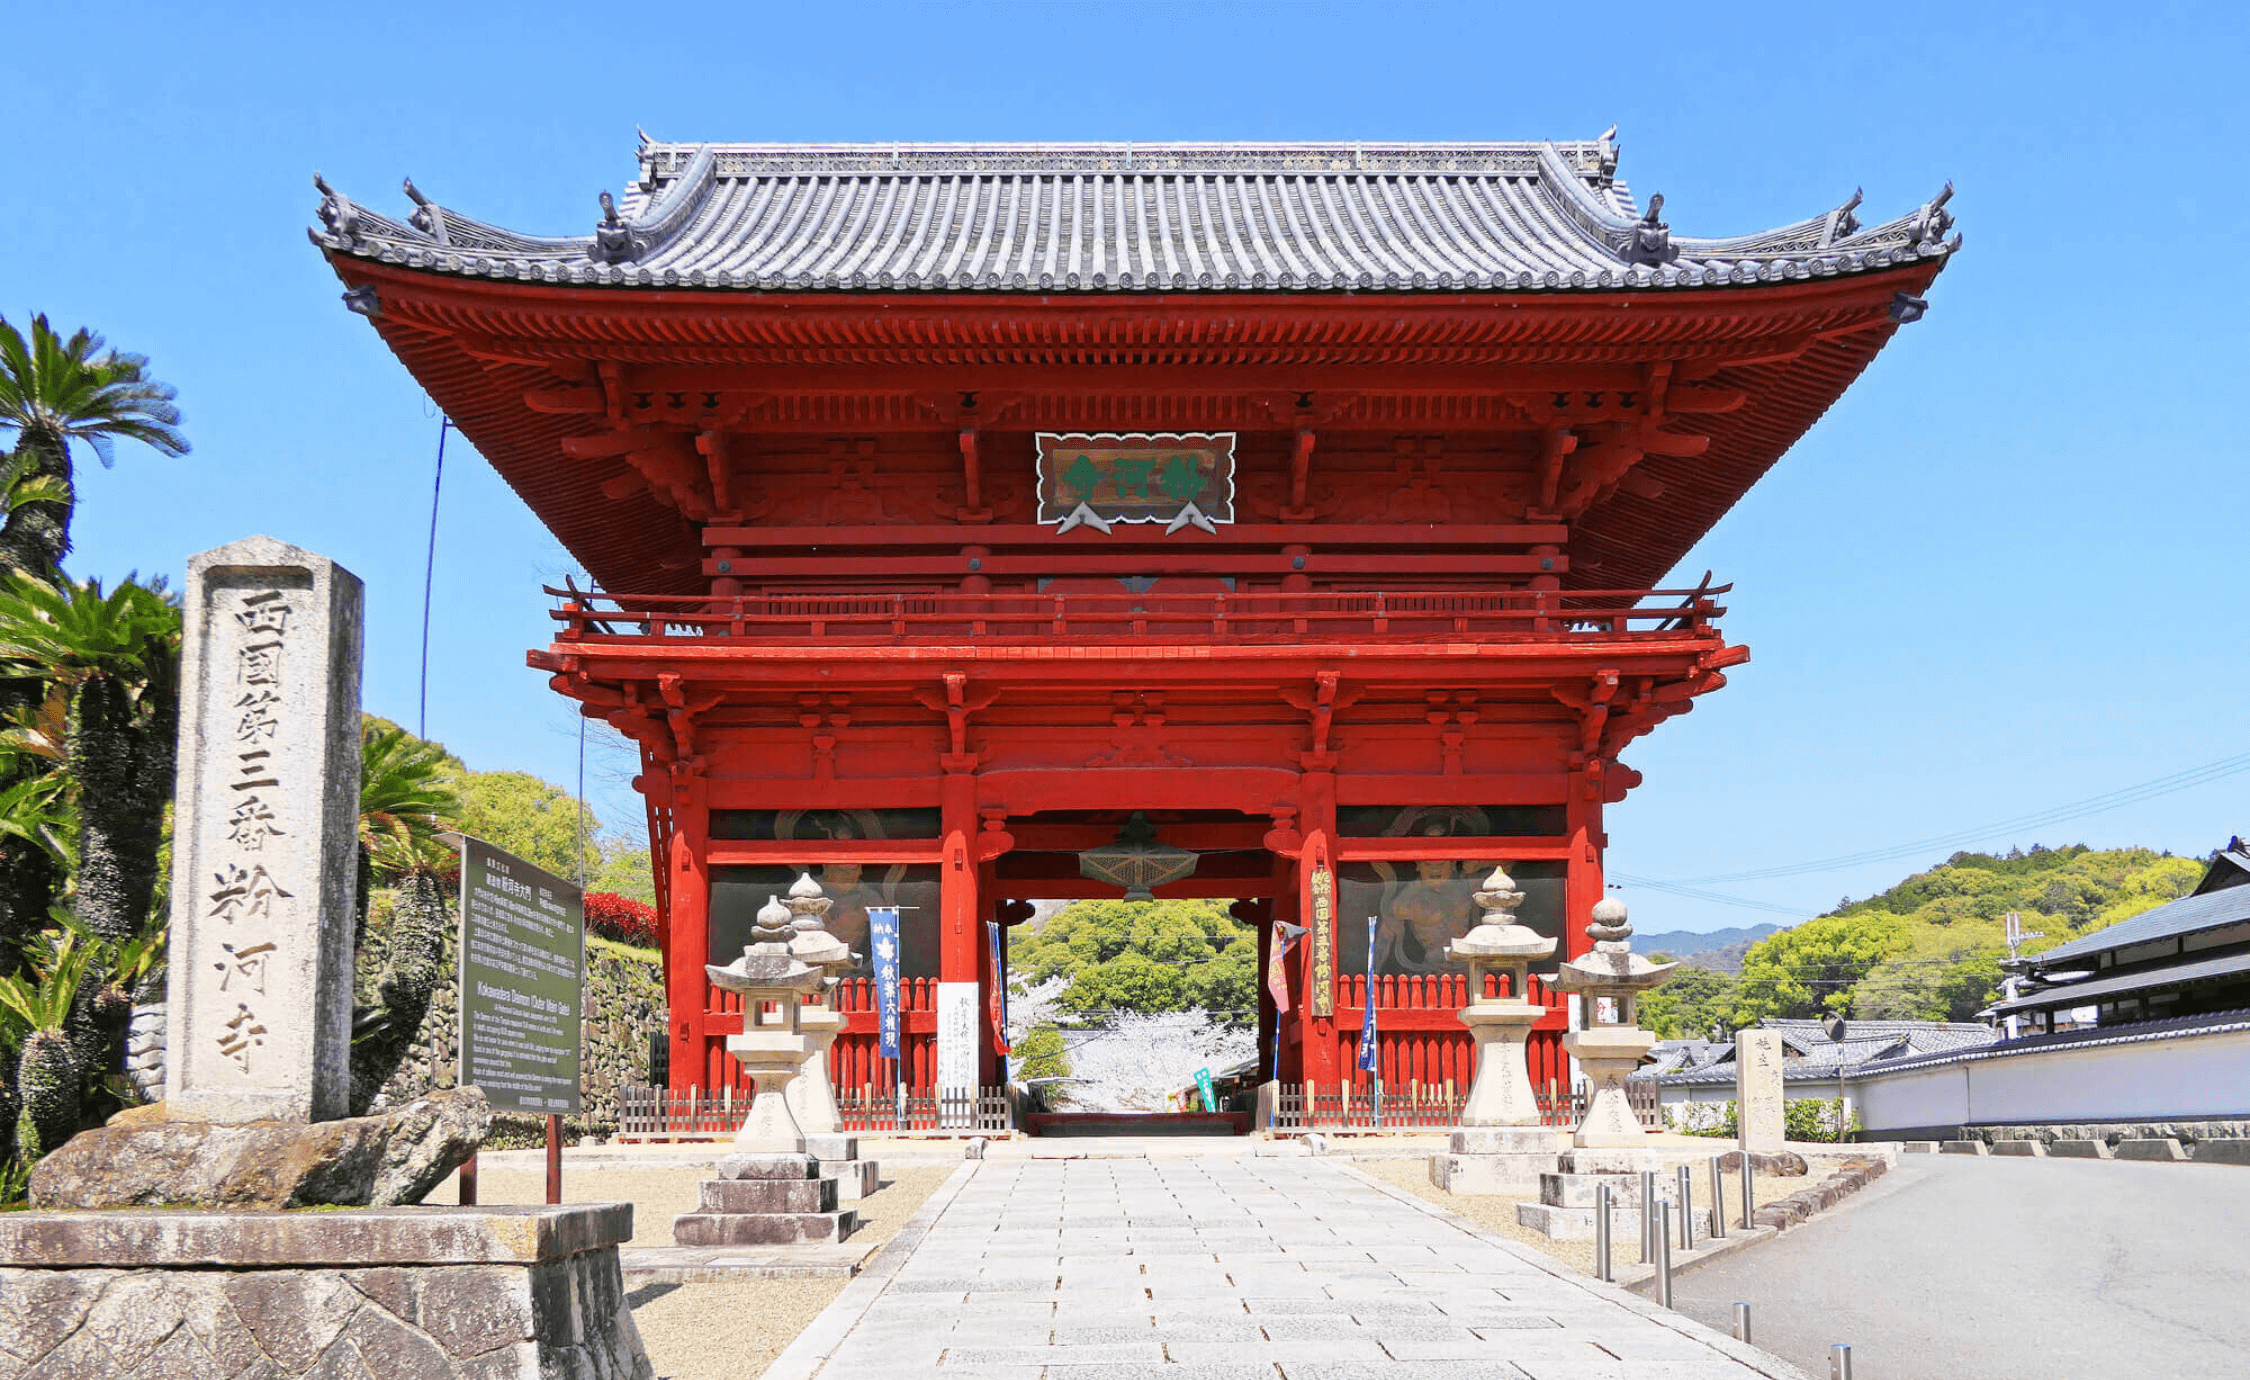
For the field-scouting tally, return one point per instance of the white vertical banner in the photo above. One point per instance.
(1577, 1020)
(956, 1042)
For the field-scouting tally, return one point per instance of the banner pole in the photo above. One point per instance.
(554, 1158)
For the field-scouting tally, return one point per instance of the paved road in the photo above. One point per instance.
(1998, 1268)
(1213, 1269)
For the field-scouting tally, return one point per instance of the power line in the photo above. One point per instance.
(429, 580)
(2060, 814)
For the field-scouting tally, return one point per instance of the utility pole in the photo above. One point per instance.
(2015, 965)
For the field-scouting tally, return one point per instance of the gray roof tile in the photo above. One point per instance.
(1126, 217)
(2211, 910)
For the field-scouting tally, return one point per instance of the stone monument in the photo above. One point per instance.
(264, 854)
(1500, 1145)
(258, 1075)
(1612, 1045)
(1761, 1127)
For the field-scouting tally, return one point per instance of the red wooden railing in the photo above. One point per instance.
(1384, 615)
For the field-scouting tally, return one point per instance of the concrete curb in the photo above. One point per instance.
(1764, 1363)
(803, 1358)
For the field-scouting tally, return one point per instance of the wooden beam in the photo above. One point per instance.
(858, 565)
(1316, 534)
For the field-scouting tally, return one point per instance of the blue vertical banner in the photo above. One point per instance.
(882, 928)
(1209, 1093)
(999, 1004)
(1367, 1018)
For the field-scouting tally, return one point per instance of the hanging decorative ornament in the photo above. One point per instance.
(1137, 860)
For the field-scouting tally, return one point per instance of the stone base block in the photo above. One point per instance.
(2020, 1149)
(1506, 1174)
(2079, 1150)
(2228, 1151)
(1584, 1161)
(1577, 1224)
(405, 1292)
(768, 1195)
(1921, 1147)
(761, 1228)
(1503, 1140)
(2165, 1149)
(1577, 1190)
(832, 1147)
(769, 1167)
(1964, 1147)
(854, 1179)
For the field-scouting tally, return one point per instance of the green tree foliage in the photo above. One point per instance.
(625, 871)
(1145, 956)
(1930, 947)
(1688, 1006)
(408, 796)
(1040, 1054)
(55, 391)
(536, 820)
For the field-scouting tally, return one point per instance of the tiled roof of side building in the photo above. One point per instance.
(1533, 216)
(2189, 914)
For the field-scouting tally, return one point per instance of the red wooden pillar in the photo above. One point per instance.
(991, 1070)
(1260, 913)
(1582, 887)
(689, 949)
(1291, 1033)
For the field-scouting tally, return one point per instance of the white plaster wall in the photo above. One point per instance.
(2148, 1080)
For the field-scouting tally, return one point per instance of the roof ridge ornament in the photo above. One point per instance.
(1606, 149)
(428, 217)
(336, 210)
(1650, 241)
(1842, 224)
(1932, 220)
(615, 242)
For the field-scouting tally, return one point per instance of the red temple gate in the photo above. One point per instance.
(950, 504)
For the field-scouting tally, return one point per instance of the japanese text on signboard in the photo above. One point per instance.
(522, 976)
(1096, 480)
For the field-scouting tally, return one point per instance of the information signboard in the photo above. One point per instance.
(523, 968)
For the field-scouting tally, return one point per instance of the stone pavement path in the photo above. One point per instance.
(1212, 1269)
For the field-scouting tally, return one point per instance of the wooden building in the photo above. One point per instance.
(950, 504)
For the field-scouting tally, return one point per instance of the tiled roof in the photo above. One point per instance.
(2211, 910)
(2172, 1028)
(1865, 1042)
(1133, 217)
(2088, 992)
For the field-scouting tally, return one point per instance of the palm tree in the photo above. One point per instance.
(406, 799)
(53, 392)
(50, 1074)
(113, 660)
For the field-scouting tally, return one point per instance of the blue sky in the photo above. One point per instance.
(2004, 574)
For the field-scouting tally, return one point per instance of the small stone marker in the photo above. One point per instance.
(267, 818)
(1760, 1126)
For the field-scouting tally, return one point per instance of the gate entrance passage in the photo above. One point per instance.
(949, 504)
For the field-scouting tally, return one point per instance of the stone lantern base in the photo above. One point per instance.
(1495, 1159)
(765, 1200)
(1607, 1054)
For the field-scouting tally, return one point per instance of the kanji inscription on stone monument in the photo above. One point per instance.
(266, 821)
(1760, 1124)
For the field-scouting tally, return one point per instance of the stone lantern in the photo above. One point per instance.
(774, 1046)
(1612, 1045)
(1501, 1094)
(813, 1097)
(1500, 1145)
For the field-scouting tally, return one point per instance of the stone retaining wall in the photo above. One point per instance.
(624, 1005)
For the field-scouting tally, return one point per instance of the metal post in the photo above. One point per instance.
(1687, 1209)
(1840, 1362)
(1749, 1192)
(1718, 1200)
(1602, 1268)
(1664, 1256)
(1742, 1322)
(1648, 1217)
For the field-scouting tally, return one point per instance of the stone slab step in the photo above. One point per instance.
(761, 1228)
(2222, 1151)
(854, 1179)
(2165, 1148)
(768, 1195)
(1511, 1174)
(2079, 1150)
(717, 1264)
(1964, 1147)
(2020, 1149)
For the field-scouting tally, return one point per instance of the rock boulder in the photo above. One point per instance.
(355, 1162)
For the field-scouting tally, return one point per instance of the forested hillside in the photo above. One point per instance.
(1143, 956)
(1928, 948)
